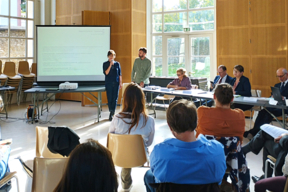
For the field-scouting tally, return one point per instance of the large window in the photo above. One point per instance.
(17, 30)
(173, 48)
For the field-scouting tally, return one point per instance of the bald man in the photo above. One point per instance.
(263, 116)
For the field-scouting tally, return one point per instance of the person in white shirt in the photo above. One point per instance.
(133, 120)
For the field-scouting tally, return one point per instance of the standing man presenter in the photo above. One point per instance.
(141, 69)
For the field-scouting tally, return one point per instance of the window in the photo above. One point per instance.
(17, 31)
(173, 48)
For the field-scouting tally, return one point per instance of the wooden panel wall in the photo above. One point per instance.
(253, 33)
(128, 27)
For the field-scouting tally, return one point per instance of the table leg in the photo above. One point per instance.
(283, 118)
(34, 106)
(99, 105)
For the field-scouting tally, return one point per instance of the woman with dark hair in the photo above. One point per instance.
(221, 120)
(113, 81)
(90, 168)
(133, 120)
(241, 86)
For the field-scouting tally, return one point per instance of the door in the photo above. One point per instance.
(199, 64)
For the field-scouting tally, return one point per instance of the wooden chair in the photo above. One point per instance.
(41, 144)
(13, 80)
(128, 151)
(34, 68)
(8, 177)
(28, 77)
(164, 98)
(47, 173)
(255, 93)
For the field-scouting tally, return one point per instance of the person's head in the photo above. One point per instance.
(134, 103)
(90, 168)
(223, 94)
(181, 72)
(181, 116)
(111, 55)
(238, 71)
(222, 71)
(142, 52)
(281, 73)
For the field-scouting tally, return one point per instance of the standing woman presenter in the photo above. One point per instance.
(113, 81)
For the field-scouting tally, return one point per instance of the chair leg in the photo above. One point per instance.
(250, 119)
(17, 182)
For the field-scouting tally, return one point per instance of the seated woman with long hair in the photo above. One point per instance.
(90, 168)
(133, 120)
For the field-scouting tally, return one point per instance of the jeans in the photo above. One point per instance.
(112, 91)
(149, 178)
(126, 180)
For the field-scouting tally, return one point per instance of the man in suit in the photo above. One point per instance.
(264, 117)
(221, 78)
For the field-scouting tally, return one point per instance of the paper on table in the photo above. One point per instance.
(272, 101)
(273, 130)
(252, 99)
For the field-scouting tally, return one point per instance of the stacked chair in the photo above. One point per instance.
(3, 78)
(13, 80)
(34, 68)
(28, 77)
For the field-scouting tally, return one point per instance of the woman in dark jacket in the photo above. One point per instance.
(113, 81)
(241, 86)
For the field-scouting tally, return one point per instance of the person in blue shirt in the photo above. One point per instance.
(185, 159)
(113, 81)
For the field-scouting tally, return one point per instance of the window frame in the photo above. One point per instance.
(165, 35)
(9, 17)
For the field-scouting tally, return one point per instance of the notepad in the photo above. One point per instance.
(273, 130)
(251, 99)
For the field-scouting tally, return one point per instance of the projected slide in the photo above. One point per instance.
(71, 53)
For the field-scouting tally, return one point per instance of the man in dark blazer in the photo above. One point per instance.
(264, 117)
(223, 77)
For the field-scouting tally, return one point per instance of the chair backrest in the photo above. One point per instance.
(256, 92)
(23, 68)
(127, 150)
(34, 68)
(171, 187)
(9, 69)
(0, 67)
(47, 172)
(124, 87)
(41, 144)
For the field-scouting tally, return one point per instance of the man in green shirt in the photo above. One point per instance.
(141, 69)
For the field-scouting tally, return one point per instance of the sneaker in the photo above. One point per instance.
(110, 116)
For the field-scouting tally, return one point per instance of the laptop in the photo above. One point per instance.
(277, 96)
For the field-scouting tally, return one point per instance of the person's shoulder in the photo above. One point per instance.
(277, 85)
(117, 62)
(137, 59)
(163, 144)
(106, 62)
(243, 78)
(210, 143)
(238, 112)
(203, 108)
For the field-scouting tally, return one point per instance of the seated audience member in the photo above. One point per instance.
(277, 148)
(223, 77)
(221, 120)
(133, 120)
(90, 168)
(185, 159)
(182, 82)
(275, 184)
(241, 86)
(263, 116)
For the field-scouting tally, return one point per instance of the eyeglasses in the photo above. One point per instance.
(281, 76)
(178, 74)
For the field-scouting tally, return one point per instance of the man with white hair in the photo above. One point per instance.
(264, 117)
